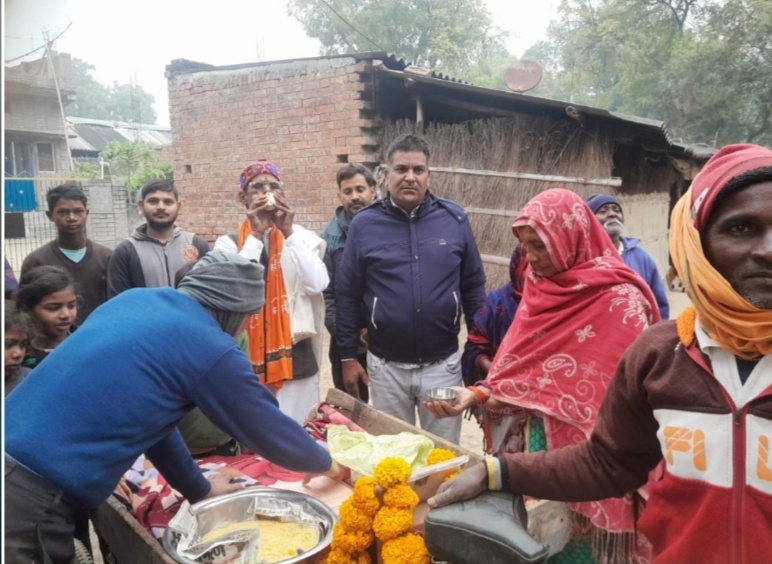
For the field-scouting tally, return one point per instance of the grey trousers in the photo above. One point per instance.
(399, 389)
(39, 519)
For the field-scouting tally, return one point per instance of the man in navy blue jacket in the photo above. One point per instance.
(608, 211)
(411, 262)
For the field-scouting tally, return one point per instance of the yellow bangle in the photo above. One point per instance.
(491, 464)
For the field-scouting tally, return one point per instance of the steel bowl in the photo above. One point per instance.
(225, 509)
(442, 394)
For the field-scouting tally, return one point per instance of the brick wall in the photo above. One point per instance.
(308, 117)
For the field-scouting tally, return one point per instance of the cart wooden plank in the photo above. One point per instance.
(127, 540)
(130, 543)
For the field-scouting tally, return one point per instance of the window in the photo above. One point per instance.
(17, 159)
(46, 157)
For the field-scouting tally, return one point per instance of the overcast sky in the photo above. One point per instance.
(134, 40)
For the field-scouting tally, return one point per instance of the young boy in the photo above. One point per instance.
(16, 343)
(84, 259)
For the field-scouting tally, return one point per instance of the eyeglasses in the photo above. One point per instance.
(264, 186)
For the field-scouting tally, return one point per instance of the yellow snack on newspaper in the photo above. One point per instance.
(278, 540)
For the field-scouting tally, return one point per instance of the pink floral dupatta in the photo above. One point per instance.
(571, 330)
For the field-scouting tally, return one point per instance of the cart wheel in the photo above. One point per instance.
(82, 555)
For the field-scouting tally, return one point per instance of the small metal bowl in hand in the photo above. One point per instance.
(448, 395)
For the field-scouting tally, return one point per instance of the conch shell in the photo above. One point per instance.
(270, 204)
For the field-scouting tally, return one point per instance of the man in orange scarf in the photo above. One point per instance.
(285, 337)
(692, 398)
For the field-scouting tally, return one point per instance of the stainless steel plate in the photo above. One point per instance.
(230, 508)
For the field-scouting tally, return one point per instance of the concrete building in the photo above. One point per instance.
(35, 131)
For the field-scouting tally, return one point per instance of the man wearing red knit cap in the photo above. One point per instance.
(692, 398)
(285, 338)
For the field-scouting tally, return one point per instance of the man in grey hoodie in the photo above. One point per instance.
(150, 257)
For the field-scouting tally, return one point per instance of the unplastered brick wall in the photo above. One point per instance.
(309, 117)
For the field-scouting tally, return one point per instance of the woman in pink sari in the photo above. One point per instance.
(581, 309)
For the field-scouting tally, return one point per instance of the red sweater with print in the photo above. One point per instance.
(710, 497)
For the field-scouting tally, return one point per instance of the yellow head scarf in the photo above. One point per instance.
(740, 328)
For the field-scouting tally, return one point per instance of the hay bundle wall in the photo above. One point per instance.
(525, 144)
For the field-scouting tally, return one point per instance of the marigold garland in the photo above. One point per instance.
(353, 535)
(362, 518)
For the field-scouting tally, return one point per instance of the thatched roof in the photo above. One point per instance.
(493, 167)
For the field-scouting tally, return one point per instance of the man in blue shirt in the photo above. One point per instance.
(117, 388)
(609, 212)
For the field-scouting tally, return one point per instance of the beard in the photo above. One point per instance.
(159, 225)
(354, 208)
(748, 289)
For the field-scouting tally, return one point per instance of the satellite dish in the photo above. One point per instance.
(523, 76)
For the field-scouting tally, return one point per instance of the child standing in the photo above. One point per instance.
(49, 296)
(16, 343)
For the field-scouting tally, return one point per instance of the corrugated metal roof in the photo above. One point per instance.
(94, 135)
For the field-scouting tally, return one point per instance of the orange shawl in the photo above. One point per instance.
(270, 338)
(728, 319)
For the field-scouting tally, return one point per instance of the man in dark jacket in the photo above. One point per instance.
(412, 263)
(152, 255)
(356, 189)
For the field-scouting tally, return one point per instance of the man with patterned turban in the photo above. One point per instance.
(110, 393)
(691, 399)
(285, 339)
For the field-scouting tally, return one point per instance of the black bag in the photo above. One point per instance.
(490, 529)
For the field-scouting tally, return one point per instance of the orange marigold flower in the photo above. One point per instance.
(450, 476)
(390, 522)
(437, 455)
(365, 487)
(353, 542)
(368, 506)
(392, 471)
(340, 557)
(407, 549)
(401, 496)
(352, 518)
(364, 498)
